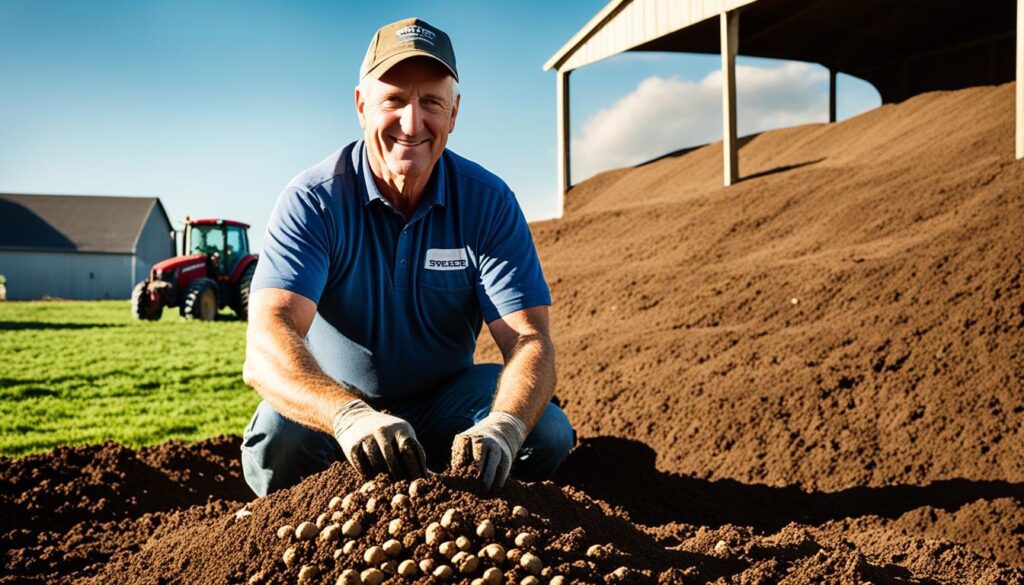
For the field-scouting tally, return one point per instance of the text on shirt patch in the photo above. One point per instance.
(446, 259)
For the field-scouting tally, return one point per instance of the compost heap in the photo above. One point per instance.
(814, 376)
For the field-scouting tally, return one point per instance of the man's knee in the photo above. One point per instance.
(546, 447)
(278, 453)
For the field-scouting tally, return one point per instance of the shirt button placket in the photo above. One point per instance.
(402, 270)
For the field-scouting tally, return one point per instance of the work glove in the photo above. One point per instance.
(375, 442)
(488, 448)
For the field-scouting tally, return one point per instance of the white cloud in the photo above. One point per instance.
(664, 114)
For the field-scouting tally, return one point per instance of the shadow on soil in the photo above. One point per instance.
(653, 497)
(48, 325)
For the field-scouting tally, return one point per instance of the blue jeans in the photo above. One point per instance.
(278, 453)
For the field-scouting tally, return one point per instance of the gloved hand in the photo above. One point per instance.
(375, 442)
(488, 447)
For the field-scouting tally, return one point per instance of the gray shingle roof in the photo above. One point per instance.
(73, 222)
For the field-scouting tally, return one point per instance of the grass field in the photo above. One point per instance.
(85, 371)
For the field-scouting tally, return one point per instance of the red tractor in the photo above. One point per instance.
(214, 271)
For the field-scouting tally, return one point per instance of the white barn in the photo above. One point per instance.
(80, 247)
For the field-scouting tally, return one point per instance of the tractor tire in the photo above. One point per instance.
(242, 292)
(143, 308)
(200, 300)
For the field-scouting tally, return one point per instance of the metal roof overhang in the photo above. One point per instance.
(902, 47)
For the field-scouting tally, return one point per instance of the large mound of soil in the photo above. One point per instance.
(814, 376)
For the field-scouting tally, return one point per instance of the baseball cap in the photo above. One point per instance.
(410, 37)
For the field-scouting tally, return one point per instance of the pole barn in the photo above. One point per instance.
(80, 247)
(902, 47)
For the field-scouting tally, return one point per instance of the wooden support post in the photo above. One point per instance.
(730, 28)
(1020, 79)
(831, 95)
(562, 96)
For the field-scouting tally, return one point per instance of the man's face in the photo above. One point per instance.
(406, 117)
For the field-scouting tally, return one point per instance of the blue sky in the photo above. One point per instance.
(214, 106)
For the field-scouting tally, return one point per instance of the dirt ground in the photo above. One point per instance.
(814, 376)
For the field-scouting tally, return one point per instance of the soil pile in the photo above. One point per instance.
(814, 376)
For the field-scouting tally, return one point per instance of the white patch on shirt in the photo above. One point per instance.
(446, 259)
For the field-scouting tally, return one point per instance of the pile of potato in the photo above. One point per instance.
(452, 547)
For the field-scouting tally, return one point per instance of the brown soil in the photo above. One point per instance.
(814, 376)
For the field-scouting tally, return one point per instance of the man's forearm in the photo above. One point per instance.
(280, 367)
(528, 380)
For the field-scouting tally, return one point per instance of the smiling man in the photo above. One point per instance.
(379, 266)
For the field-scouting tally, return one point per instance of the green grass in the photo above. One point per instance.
(74, 372)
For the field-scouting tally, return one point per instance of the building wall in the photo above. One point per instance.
(68, 275)
(155, 244)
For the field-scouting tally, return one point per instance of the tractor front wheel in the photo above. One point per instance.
(200, 301)
(143, 307)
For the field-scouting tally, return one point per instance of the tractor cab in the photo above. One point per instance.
(214, 271)
(223, 241)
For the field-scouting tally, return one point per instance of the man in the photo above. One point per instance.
(378, 268)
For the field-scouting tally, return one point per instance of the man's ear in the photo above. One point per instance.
(455, 113)
(360, 105)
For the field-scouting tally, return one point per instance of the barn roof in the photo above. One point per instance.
(74, 223)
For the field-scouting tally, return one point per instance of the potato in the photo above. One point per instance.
(375, 555)
(514, 555)
(529, 580)
(334, 503)
(306, 531)
(417, 488)
(348, 502)
(531, 563)
(526, 540)
(392, 548)
(307, 573)
(494, 552)
(348, 547)
(289, 556)
(368, 487)
(448, 548)
(330, 532)
(493, 576)
(428, 566)
(558, 580)
(721, 547)
(596, 551)
(372, 577)
(463, 543)
(407, 568)
(450, 518)
(337, 516)
(349, 577)
(285, 531)
(399, 500)
(468, 564)
(434, 533)
(389, 567)
(443, 572)
(351, 528)
(395, 527)
(321, 520)
(520, 513)
(372, 505)
(485, 529)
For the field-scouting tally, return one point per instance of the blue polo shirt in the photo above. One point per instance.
(400, 304)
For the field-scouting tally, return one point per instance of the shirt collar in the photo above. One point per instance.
(434, 193)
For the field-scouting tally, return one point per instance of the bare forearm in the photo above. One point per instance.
(528, 380)
(279, 366)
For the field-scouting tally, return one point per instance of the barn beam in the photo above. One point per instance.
(730, 29)
(831, 95)
(562, 96)
(1020, 79)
